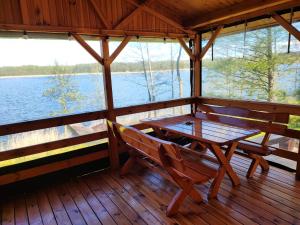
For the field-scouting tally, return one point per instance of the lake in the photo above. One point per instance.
(23, 98)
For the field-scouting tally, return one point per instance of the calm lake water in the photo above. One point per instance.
(23, 99)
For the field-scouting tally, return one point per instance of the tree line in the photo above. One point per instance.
(87, 68)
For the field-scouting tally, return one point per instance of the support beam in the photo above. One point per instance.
(24, 12)
(119, 49)
(241, 11)
(286, 25)
(90, 31)
(186, 48)
(113, 147)
(210, 42)
(100, 14)
(161, 17)
(88, 48)
(136, 11)
(197, 68)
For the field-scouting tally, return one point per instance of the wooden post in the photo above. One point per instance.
(113, 148)
(197, 70)
(197, 50)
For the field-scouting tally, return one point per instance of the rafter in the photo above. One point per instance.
(241, 11)
(136, 11)
(88, 48)
(161, 17)
(210, 42)
(100, 14)
(286, 25)
(186, 48)
(119, 49)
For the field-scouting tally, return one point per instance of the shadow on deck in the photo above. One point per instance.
(142, 197)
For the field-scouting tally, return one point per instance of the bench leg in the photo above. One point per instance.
(176, 202)
(186, 186)
(128, 165)
(253, 167)
(257, 161)
(264, 164)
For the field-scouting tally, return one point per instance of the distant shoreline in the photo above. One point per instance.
(80, 74)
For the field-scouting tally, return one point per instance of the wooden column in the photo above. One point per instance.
(113, 148)
(197, 70)
(197, 78)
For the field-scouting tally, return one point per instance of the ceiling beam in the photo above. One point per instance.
(210, 42)
(286, 25)
(136, 11)
(161, 17)
(88, 48)
(100, 14)
(89, 31)
(246, 9)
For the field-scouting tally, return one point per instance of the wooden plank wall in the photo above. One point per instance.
(77, 15)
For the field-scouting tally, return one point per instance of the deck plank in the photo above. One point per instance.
(33, 210)
(59, 211)
(70, 206)
(45, 209)
(8, 213)
(97, 207)
(113, 210)
(142, 196)
(21, 211)
(85, 209)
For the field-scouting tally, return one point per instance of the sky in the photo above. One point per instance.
(41, 52)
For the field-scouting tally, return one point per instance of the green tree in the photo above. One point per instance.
(263, 63)
(63, 91)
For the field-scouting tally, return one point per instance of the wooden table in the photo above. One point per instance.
(216, 136)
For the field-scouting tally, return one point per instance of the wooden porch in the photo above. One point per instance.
(142, 197)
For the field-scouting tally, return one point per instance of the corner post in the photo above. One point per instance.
(197, 66)
(113, 147)
(197, 70)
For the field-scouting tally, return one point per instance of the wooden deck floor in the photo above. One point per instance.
(142, 197)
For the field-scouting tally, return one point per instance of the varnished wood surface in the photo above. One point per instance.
(142, 196)
(202, 130)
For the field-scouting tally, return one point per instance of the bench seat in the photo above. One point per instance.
(256, 148)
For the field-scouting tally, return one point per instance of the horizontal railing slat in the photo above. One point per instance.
(153, 106)
(253, 105)
(8, 129)
(43, 147)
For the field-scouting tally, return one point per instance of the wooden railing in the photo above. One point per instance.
(83, 117)
(27, 126)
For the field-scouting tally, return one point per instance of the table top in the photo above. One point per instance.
(202, 130)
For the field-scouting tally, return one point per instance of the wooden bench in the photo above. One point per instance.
(163, 156)
(268, 123)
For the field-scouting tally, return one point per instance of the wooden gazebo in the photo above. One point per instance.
(183, 21)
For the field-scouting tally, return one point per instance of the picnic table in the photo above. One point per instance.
(216, 136)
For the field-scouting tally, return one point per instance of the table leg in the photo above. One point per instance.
(225, 168)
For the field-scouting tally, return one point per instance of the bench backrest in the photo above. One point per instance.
(162, 152)
(275, 123)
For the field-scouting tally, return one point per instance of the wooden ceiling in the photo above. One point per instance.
(131, 17)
